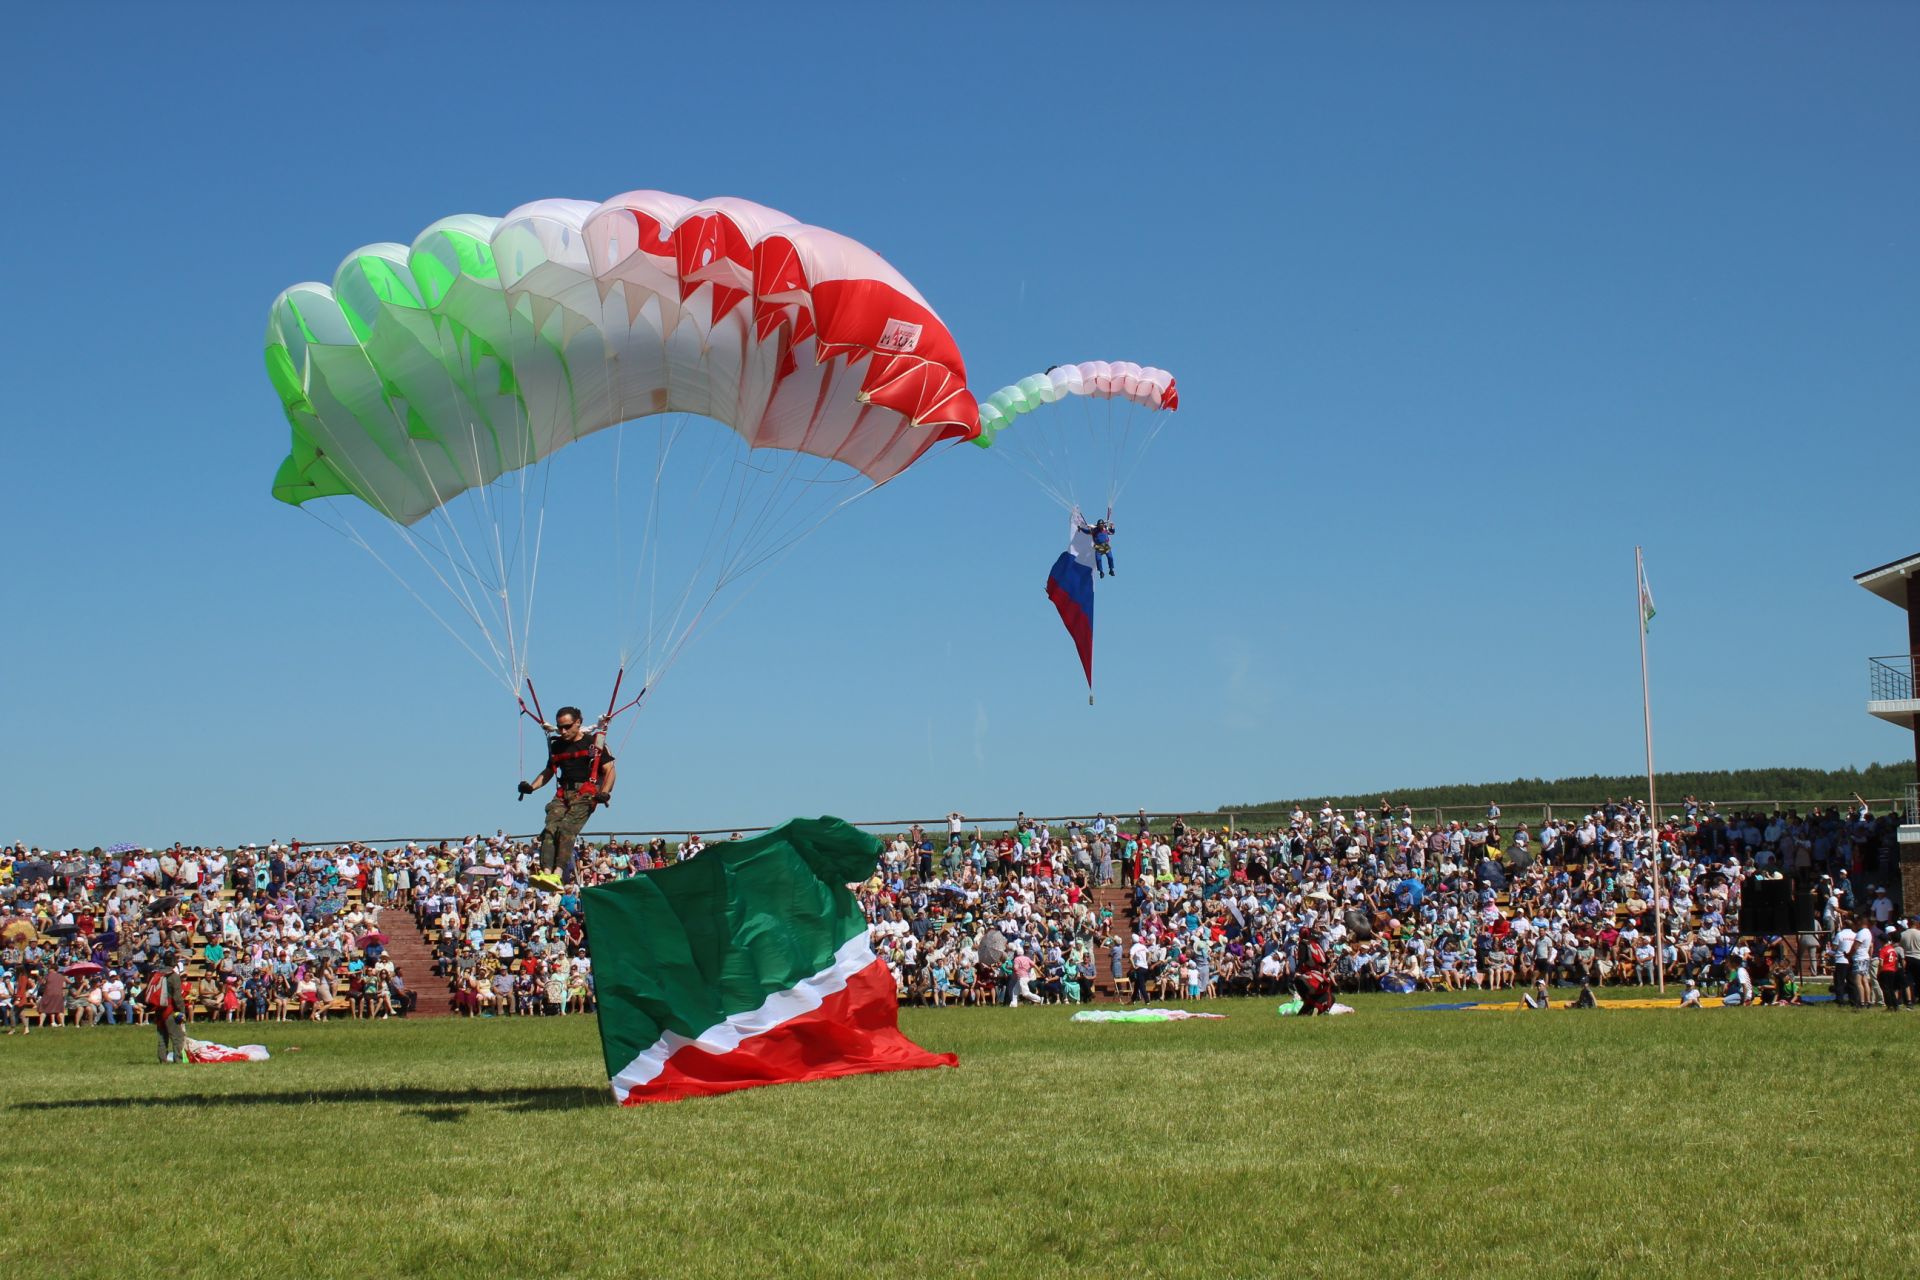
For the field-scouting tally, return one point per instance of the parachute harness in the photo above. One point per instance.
(600, 727)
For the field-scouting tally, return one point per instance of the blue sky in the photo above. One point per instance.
(1465, 301)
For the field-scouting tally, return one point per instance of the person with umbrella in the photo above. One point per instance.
(32, 871)
(18, 932)
(83, 1002)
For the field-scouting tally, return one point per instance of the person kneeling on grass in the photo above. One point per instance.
(1739, 988)
(1537, 998)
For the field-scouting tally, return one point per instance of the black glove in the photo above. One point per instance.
(526, 789)
(603, 797)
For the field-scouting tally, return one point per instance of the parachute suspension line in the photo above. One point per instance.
(353, 535)
(450, 543)
(1099, 439)
(492, 522)
(464, 402)
(621, 606)
(739, 478)
(490, 528)
(512, 555)
(752, 478)
(522, 483)
(654, 630)
(446, 521)
(1025, 466)
(779, 549)
(1026, 449)
(1056, 461)
(533, 582)
(1120, 470)
(757, 518)
(416, 541)
(701, 621)
(661, 635)
(532, 468)
(736, 487)
(545, 467)
(778, 546)
(629, 590)
(779, 525)
(1160, 417)
(1056, 478)
(783, 495)
(647, 566)
(418, 545)
(472, 417)
(1115, 449)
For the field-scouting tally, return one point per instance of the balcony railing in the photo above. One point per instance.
(1911, 814)
(1890, 679)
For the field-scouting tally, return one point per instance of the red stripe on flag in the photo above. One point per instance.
(1078, 625)
(856, 1032)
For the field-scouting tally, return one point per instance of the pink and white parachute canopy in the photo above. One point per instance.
(1080, 459)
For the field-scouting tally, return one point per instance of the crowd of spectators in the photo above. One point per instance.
(1399, 904)
(1047, 911)
(257, 934)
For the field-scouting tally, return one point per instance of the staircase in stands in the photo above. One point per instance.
(1117, 900)
(413, 957)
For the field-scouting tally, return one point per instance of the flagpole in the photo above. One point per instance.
(1653, 809)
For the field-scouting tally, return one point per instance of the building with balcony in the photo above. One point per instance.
(1891, 697)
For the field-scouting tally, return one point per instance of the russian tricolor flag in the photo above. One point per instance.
(1070, 587)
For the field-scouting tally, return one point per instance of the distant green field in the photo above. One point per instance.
(1390, 1143)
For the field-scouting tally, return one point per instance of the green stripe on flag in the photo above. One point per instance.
(682, 948)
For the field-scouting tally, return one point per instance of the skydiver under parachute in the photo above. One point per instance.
(1067, 454)
(583, 770)
(767, 373)
(1102, 531)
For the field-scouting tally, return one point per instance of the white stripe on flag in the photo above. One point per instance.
(807, 995)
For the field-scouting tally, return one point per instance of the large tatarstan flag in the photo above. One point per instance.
(1070, 587)
(743, 966)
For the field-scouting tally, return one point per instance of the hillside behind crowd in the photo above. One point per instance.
(1736, 788)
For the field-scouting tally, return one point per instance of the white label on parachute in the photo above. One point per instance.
(900, 337)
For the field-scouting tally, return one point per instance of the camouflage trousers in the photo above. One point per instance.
(567, 813)
(172, 1030)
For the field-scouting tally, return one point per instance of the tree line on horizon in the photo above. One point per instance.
(1723, 787)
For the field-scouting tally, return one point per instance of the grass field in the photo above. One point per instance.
(1390, 1143)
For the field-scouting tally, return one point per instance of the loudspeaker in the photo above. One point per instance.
(1766, 907)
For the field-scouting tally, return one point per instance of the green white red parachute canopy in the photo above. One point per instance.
(766, 371)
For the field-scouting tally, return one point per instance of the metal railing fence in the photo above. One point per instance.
(1890, 679)
(1159, 820)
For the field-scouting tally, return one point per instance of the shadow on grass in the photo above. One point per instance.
(431, 1104)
